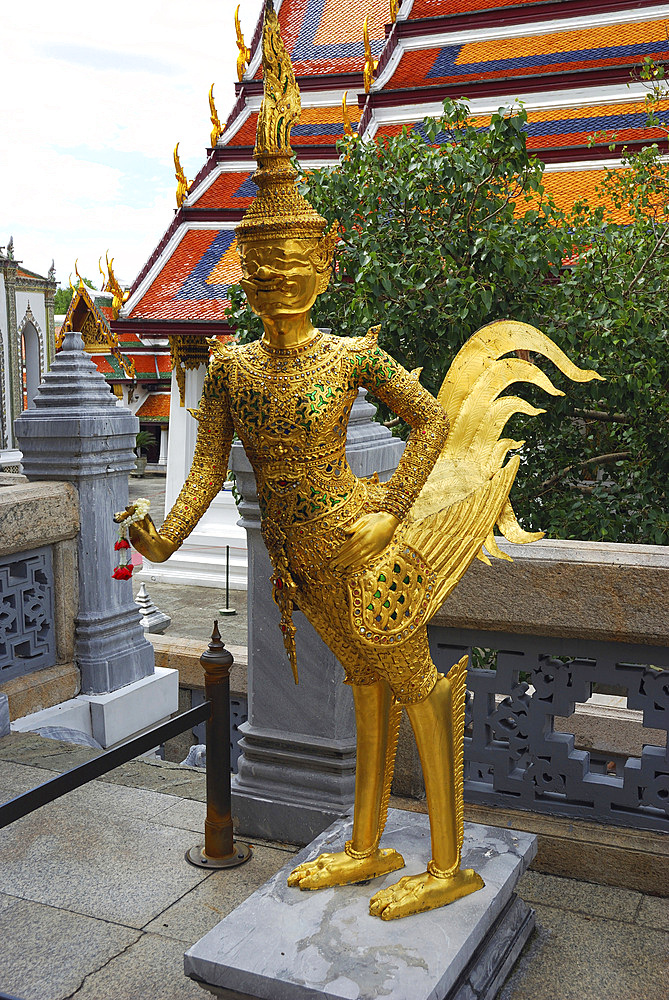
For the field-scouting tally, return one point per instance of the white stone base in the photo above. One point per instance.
(10, 457)
(200, 562)
(114, 717)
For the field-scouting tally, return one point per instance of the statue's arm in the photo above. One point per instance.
(401, 391)
(205, 479)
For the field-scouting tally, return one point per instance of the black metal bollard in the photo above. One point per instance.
(220, 849)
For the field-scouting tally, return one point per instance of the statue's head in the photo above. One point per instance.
(285, 249)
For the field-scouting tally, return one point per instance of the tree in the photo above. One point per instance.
(63, 297)
(446, 228)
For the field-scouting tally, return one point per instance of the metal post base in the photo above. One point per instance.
(196, 856)
(227, 611)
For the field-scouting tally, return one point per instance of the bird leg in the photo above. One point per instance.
(444, 881)
(361, 859)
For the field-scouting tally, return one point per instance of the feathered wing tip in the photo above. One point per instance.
(470, 395)
(489, 344)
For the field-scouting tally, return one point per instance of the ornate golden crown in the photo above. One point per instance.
(279, 209)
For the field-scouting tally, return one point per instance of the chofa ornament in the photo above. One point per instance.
(367, 563)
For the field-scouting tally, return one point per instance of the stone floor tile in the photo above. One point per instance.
(575, 957)
(187, 814)
(46, 952)
(15, 779)
(580, 897)
(182, 782)
(654, 912)
(152, 969)
(192, 916)
(89, 853)
(193, 610)
(38, 751)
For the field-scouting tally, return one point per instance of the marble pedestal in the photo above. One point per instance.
(284, 944)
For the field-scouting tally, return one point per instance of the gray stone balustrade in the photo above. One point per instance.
(563, 620)
(76, 433)
(297, 767)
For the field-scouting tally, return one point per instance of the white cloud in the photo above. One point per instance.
(103, 94)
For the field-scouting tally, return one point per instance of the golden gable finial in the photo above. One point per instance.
(119, 296)
(348, 128)
(394, 10)
(244, 52)
(182, 183)
(371, 63)
(76, 271)
(217, 129)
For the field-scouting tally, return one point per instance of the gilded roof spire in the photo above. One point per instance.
(244, 52)
(371, 63)
(182, 183)
(217, 128)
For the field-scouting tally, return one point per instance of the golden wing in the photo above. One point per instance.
(467, 492)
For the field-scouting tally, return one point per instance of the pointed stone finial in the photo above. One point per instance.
(153, 620)
(51, 273)
(216, 657)
(10, 248)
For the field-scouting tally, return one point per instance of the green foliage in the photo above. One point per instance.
(447, 228)
(144, 440)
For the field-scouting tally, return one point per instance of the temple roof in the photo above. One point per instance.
(155, 408)
(569, 60)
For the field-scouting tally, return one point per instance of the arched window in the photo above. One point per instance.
(30, 364)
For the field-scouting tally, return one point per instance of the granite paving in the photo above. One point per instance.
(97, 902)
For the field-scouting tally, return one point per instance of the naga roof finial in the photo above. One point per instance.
(371, 64)
(244, 52)
(217, 128)
(182, 183)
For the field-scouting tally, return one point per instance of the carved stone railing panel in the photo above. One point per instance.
(516, 758)
(27, 634)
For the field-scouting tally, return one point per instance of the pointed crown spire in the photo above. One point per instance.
(278, 210)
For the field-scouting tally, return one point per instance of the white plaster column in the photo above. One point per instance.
(201, 559)
(162, 457)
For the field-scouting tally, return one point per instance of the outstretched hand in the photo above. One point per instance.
(145, 537)
(367, 537)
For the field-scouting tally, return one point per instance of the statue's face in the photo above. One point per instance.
(280, 278)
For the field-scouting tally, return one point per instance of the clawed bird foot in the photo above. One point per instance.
(416, 893)
(341, 869)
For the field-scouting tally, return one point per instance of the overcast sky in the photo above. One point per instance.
(94, 99)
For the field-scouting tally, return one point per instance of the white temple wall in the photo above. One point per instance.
(201, 560)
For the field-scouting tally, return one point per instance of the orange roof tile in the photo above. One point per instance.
(155, 407)
(437, 8)
(326, 36)
(194, 282)
(230, 190)
(555, 52)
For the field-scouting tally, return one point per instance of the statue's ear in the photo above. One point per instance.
(324, 254)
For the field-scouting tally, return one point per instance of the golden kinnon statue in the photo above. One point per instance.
(367, 563)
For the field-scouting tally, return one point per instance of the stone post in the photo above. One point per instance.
(297, 768)
(75, 432)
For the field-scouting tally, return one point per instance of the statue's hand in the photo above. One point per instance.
(145, 537)
(368, 536)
